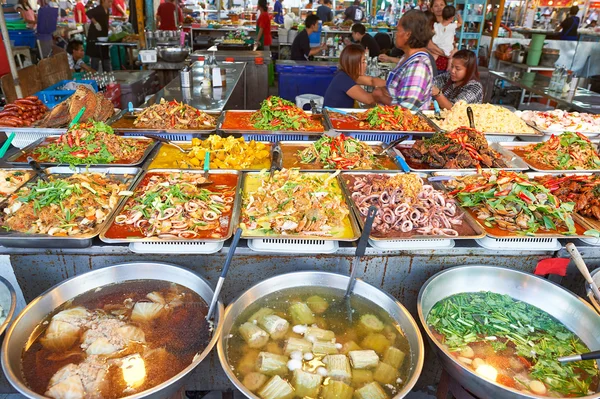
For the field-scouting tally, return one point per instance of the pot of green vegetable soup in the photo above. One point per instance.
(498, 332)
(295, 335)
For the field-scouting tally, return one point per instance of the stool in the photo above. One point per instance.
(24, 51)
(304, 99)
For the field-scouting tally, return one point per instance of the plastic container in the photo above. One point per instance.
(533, 57)
(25, 37)
(294, 80)
(537, 42)
(53, 95)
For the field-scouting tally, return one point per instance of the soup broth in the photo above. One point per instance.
(513, 344)
(299, 343)
(116, 340)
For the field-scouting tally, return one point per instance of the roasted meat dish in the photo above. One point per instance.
(583, 190)
(463, 148)
(97, 108)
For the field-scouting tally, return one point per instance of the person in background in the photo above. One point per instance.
(443, 37)
(27, 13)
(309, 5)
(360, 35)
(165, 15)
(263, 26)
(384, 41)
(568, 27)
(422, 6)
(118, 9)
(79, 13)
(301, 49)
(343, 89)
(410, 83)
(98, 28)
(324, 11)
(460, 83)
(437, 7)
(278, 12)
(354, 12)
(75, 54)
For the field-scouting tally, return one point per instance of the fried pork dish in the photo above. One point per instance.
(92, 143)
(116, 340)
(295, 203)
(584, 191)
(463, 148)
(174, 115)
(97, 108)
(10, 180)
(69, 206)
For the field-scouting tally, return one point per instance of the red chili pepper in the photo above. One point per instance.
(70, 140)
(525, 198)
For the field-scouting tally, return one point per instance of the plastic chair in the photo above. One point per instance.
(303, 101)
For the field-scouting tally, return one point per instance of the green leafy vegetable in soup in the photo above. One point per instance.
(512, 343)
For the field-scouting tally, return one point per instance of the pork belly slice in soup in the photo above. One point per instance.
(116, 341)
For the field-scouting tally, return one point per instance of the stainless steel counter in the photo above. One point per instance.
(230, 96)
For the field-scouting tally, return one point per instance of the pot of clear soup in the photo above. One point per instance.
(130, 330)
(499, 332)
(295, 335)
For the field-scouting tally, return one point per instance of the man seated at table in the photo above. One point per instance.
(360, 35)
(75, 53)
(301, 49)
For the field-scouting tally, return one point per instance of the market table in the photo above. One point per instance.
(127, 45)
(581, 99)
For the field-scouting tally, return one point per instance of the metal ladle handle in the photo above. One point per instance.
(580, 263)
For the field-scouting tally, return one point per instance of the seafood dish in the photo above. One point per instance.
(64, 206)
(11, 180)
(174, 115)
(297, 343)
(177, 205)
(559, 121)
(294, 203)
(89, 143)
(381, 117)
(116, 340)
(406, 205)
(23, 112)
(568, 151)
(275, 114)
(512, 343)
(488, 118)
(97, 108)
(511, 202)
(463, 148)
(225, 153)
(341, 152)
(583, 191)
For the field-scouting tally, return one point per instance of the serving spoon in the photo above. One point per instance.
(595, 355)
(339, 111)
(579, 262)
(392, 144)
(167, 141)
(471, 118)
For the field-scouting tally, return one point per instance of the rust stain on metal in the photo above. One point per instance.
(385, 265)
(410, 263)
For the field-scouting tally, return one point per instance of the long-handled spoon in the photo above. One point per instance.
(37, 169)
(215, 299)
(595, 355)
(392, 144)
(6, 144)
(207, 168)
(275, 160)
(576, 256)
(471, 117)
(339, 111)
(77, 117)
(167, 141)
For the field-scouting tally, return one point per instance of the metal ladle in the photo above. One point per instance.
(579, 262)
(167, 141)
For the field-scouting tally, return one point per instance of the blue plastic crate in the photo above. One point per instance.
(294, 80)
(52, 96)
(23, 37)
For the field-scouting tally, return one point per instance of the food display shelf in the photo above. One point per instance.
(22, 240)
(122, 123)
(24, 136)
(327, 118)
(516, 145)
(514, 162)
(27, 151)
(246, 131)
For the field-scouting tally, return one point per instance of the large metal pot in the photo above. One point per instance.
(328, 280)
(8, 302)
(572, 311)
(173, 54)
(30, 317)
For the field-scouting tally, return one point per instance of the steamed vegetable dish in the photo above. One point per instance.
(341, 152)
(510, 201)
(115, 341)
(513, 344)
(91, 143)
(381, 117)
(67, 206)
(174, 115)
(298, 343)
(564, 152)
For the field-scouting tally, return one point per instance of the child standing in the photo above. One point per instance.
(444, 35)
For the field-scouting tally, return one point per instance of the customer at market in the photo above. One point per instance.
(263, 26)
(410, 83)
(301, 49)
(324, 11)
(165, 15)
(79, 13)
(460, 83)
(98, 28)
(568, 27)
(360, 35)
(344, 89)
(278, 12)
(442, 43)
(27, 13)
(354, 12)
(75, 54)
(118, 9)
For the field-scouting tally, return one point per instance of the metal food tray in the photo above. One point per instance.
(559, 132)
(510, 145)
(395, 235)
(150, 240)
(289, 159)
(30, 148)
(23, 240)
(536, 132)
(515, 163)
(185, 144)
(221, 119)
(355, 111)
(351, 218)
(125, 115)
(509, 235)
